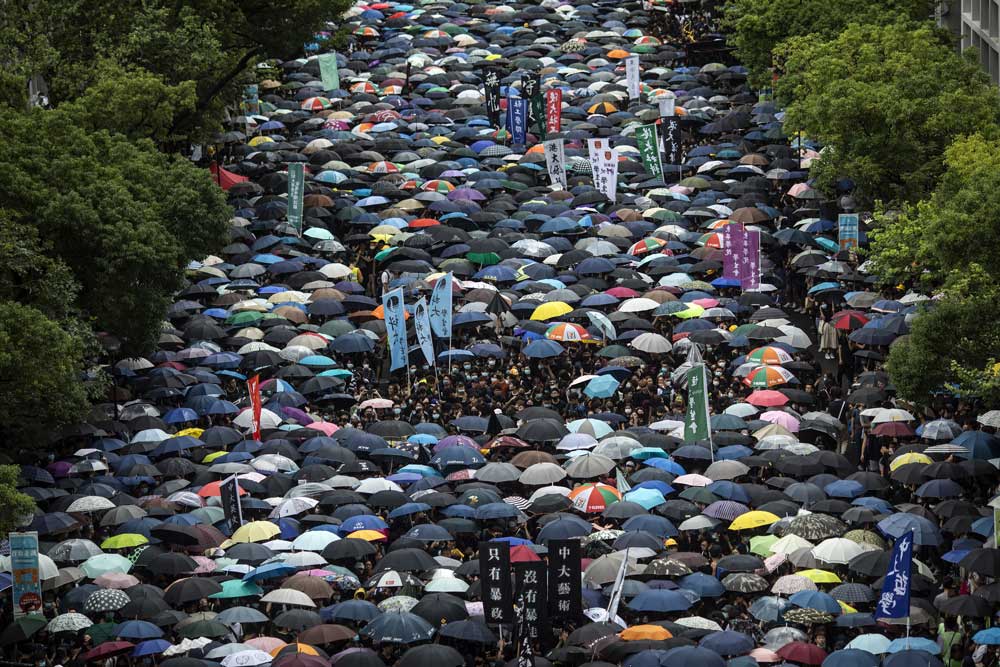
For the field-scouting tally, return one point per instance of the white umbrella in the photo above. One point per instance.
(589, 465)
(549, 491)
(652, 343)
(700, 623)
(314, 540)
(90, 504)
(699, 522)
(836, 550)
(304, 559)
(892, 415)
(741, 410)
(638, 305)
(373, 485)
(288, 596)
(293, 506)
(71, 622)
(251, 658)
(789, 544)
(542, 473)
(991, 418)
(726, 470)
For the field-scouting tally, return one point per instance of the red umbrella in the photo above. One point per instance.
(767, 398)
(106, 650)
(849, 320)
(523, 554)
(894, 430)
(802, 652)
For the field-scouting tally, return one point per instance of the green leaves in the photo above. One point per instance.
(889, 99)
(17, 506)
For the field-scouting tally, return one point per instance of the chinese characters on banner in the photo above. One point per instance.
(495, 575)
(555, 162)
(741, 256)
(229, 494)
(26, 583)
(296, 191)
(253, 389)
(565, 601)
(672, 139)
(895, 599)
(847, 224)
(329, 72)
(632, 77)
(696, 424)
(422, 326)
(441, 306)
(531, 90)
(604, 166)
(553, 110)
(648, 143)
(532, 592)
(517, 114)
(492, 84)
(395, 327)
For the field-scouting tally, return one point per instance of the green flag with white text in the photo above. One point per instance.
(649, 149)
(296, 191)
(696, 424)
(329, 72)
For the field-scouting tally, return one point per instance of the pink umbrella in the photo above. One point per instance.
(767, 398)
(266, 644)
(328, 428)
(205, 565)
(116, 580)
(782, 419)
(762, 654)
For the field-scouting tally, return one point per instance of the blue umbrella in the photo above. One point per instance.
(543, 349)
(692, 656)
(858, 620)
(269, 571)
(651, 523)
(456, 455)
(901, 644)
(602, 386)
(989, 637)
(981, 445)
(844, 488)
(727, 642)
(659, 601)
(408, 509)
(136, 630)
(925, 533)
(850, 657)
(939, 488)
(150, 647)
(428, 532)
(350, 610)
(769, 608)
(496, 511)
(649, 657)
(706, 586)
(912, 659)
(563, 529)
(647, 498)
(817, 600)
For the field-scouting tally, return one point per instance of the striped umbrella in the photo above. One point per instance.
(765, 377)
(594, 498)
(726, 510)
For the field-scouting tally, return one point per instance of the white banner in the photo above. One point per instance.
(667, 106)
(605, 168)
(555, 162)
(632, 77)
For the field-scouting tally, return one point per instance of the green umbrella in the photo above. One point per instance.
(22, 629)
(211, 629)
(101, 632)
(237, 589)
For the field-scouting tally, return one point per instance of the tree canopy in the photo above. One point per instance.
(886, 100)
(756, 27)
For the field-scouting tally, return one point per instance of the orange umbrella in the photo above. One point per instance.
(637, 632)
(379, 313)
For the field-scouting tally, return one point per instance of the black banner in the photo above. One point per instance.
(531, 90)
(522, 636)
(492, 83)
(495, 575)
(565, 597)
(229, 492)
(532, 593)
(672, 139)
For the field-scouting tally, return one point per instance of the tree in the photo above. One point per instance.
(124, 219)
(40, 383)
(17, 506)
(954, 344)
(198, 46)
(756, 27)
(887, 100)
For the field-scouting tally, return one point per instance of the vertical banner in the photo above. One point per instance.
(895, 599)
(395, 327)
(667, 105)
(517, 112)
(849, 235)
(492, 93)
(229, 494)
(422, 326)
(672, 139)
(329, 71)
(696, 422)
(531, 90)
(26, 583)
(253, 389)
(440, 306)
(608, 164)
(553, 110)
(522, 635)
(296, 192)
(532, 592)
(555, 162)
(616, 589)
(741, 256)
(632, 77)
(565, 595)
(996, 528)
(648, 142)
(495, 575)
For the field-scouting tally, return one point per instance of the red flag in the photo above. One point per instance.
(226, 179)
(553, 110)
(253, 387)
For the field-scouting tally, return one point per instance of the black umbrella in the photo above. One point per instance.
(190, 589)
(440, 608)
(438, 655)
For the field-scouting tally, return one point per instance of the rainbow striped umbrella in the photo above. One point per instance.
(594, 498)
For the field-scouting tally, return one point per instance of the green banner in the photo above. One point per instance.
(696, 423)
(329, 72)
(296, 191)
(649, 149)
(538, 111)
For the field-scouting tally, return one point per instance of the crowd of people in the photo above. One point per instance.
(555, 406)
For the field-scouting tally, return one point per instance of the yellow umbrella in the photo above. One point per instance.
(261, 139)
(820, 576)
(909, 457)
(846, 608)
(367, 535)
(693, 310)
(124, 541)
(193, 432)
(255, 531)
(547, 311)
(755, 519)
(211, 457)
